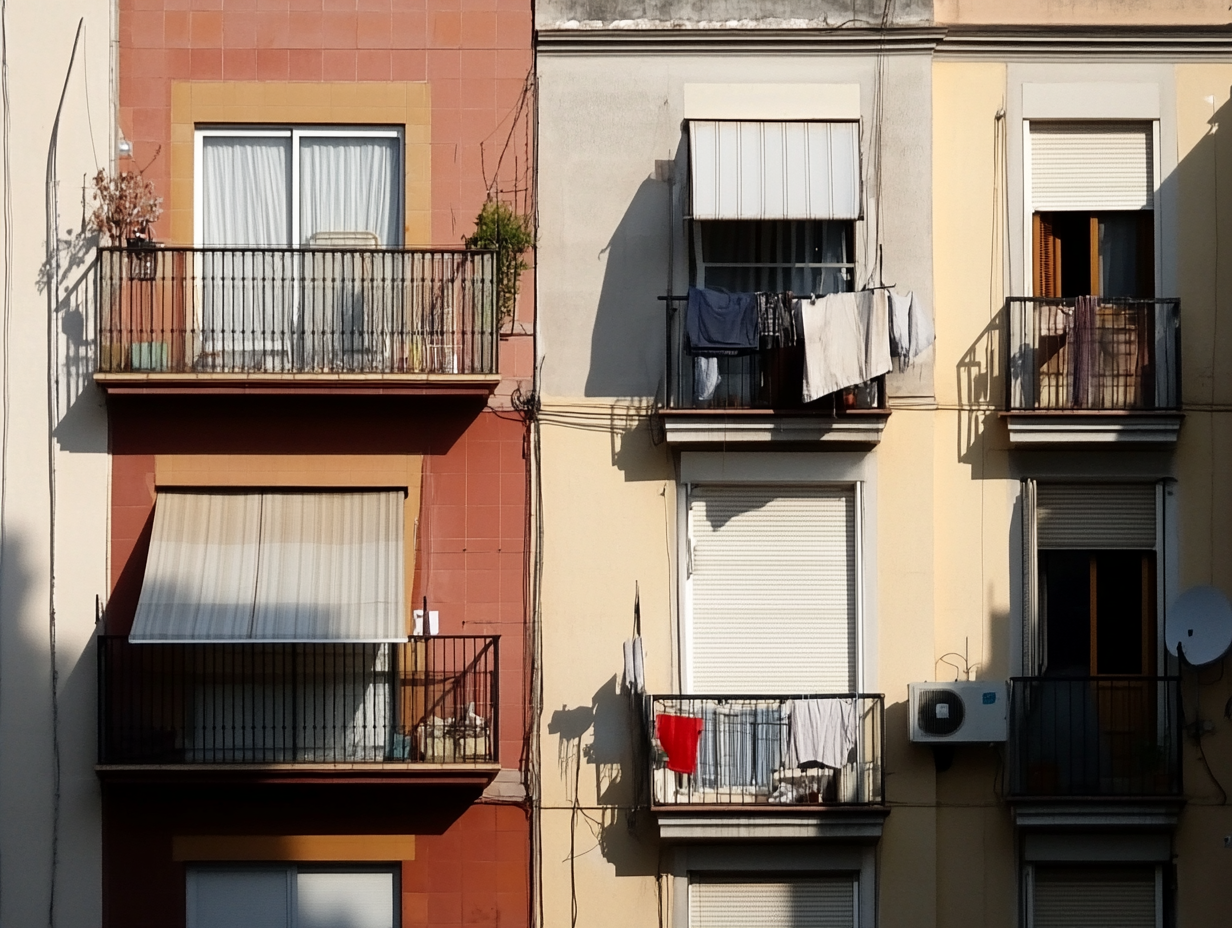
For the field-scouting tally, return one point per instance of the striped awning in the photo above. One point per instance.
(274, 566)
(775, 170)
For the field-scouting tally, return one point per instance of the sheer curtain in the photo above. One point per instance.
(349, 185)
(247, 307)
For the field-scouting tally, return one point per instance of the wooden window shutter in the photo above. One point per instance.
(1047, 253)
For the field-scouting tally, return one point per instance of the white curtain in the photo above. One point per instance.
(349, 185)
(245, 194)
(274, 567)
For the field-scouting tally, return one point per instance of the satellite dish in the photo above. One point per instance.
(1199, 625)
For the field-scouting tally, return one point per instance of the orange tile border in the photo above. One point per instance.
(293, 847)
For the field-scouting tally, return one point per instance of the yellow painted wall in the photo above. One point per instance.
(1081, 12)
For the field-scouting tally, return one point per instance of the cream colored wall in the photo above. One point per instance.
(1081, 12)
(38, 47)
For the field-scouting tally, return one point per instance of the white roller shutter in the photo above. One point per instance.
(1092, 166)
(353, 900)
(1085, 897)
(823, 902)
(1095, 515)
(775, 170)
(773, 589)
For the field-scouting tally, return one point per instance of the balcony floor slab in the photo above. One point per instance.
(862, 824)
(689, 427)
(1084, 814)
(476, 776)
(1128, 430)
(299, 384)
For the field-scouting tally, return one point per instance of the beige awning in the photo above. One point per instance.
(274, 566)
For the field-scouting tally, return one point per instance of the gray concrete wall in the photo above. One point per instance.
(744, 13)
(50, 830)
(609, 219)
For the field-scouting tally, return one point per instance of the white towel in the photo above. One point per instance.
(705, 378)
(911, 327)
(823, 731)
(846, 341)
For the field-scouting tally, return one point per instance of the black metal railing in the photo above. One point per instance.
(1095, 736)
(1092, 353)
(428, 700)
(762, 749)
(297, 311)
(767, 379)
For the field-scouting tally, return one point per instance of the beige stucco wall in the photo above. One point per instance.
(1081, 12)
(39, 43)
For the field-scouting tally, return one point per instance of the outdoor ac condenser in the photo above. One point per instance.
(963, 712)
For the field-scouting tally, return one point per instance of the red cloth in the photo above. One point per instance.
(678, 735)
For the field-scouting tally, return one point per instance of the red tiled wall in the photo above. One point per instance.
(470, 869)
(475, 53)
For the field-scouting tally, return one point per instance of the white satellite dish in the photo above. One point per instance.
(1199, 625)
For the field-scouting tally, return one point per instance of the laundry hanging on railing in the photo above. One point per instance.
(846, 340)
(821, 731)
(720, 322)
(911, 327)
(678, 736)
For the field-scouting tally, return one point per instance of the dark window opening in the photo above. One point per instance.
(1109, 254)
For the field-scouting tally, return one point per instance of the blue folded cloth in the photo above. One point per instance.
(719, 322)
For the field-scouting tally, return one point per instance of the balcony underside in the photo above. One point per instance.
(1128, 429)
(1104, 813)
(472, 776)
(291, 384)
(862, 824)
(695, 427)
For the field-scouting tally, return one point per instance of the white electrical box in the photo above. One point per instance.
(964, 712)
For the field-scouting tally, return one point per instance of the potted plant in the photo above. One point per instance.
(499, 228)
(125, 209)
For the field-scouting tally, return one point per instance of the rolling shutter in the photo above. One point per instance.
(356, 900)
(1095, 515)
(251, 898)
(827, 902)
(773, 583)
(1092, 166)
(775, 170)
(1084, 897)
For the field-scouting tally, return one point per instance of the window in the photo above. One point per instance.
(1092, 205)
(772, 589)
(284, 186)
(1077, 896)
(814, 256)
(735, 902)
(291, 897)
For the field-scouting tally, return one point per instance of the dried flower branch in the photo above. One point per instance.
(126, 206)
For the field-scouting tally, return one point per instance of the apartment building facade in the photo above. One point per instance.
(740, 586)
(311, 669)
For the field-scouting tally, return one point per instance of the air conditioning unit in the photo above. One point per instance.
(957, 713)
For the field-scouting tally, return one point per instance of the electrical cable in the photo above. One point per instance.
(53, 403)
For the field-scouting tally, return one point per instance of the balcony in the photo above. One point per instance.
(426, 710)
(758, 400)
(277, 320)
(1095, 742)
(746, 782)
(1103, 372)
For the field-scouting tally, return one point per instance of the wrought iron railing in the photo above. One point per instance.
(769, 750)
(428, 700)
(297, 311)
(1092, 353)
(766, 379)
(1095, 736)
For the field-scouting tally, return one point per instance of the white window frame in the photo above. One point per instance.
(296, 134)
(685, 570)
(291, 870)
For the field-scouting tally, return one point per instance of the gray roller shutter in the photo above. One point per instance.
(1095, 515)
(773, 582)
(1086, 897)
(249, 898)
(1092, 166)
(823, 902)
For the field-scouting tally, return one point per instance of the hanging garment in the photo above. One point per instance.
(705, 378)
(911, 327)
(719, 322)
(823, 731)
(776, 322)
(1081, 349)
(678, 736)
(846, 341)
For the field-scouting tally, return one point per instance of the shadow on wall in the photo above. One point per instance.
(981, 383)
(615, 825)
(627, 345)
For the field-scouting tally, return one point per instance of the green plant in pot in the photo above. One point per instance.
(499, 228)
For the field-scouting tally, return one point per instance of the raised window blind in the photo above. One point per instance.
(819, 902)
(1090, 897)
(1095, 515)
(1092, 166)
(773, 584)
(775, 170)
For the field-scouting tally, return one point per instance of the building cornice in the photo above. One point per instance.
(976, 42)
